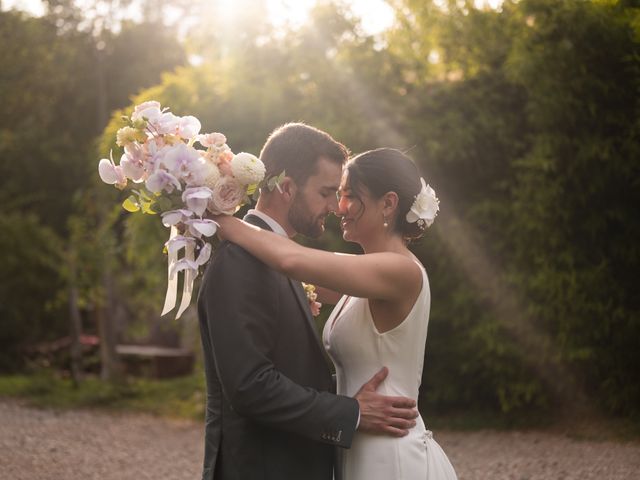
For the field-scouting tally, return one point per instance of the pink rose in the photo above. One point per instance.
(225, 169)
(227, 195)
(223, 160)
(212, 139)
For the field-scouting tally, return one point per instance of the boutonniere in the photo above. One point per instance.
(312, 296)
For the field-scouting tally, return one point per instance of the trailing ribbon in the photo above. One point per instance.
(188, 263)
(189, 277)
(172, 284)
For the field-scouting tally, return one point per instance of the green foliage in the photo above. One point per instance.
(535, 137)
(581, 173)
(177, 398)
(29, 267)
(58, 84)
(48, 116)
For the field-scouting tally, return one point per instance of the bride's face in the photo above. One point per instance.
(361, 215)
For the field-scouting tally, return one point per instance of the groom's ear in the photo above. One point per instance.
(288, 188)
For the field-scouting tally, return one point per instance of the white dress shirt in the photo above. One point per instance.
(275, 226)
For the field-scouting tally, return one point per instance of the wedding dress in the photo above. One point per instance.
(359, 351)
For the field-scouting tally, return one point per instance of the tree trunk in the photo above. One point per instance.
(110, 366)
(76, 323)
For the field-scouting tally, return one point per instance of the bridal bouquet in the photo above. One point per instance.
(167, 175)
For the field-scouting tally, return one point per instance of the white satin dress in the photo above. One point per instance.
(359, 351)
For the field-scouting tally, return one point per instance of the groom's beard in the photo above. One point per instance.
(303, 221)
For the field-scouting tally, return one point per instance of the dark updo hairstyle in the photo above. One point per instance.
(388, 170)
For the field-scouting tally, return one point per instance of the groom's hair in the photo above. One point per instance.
(296, 148)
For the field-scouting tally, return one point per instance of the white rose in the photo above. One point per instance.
(247, 168)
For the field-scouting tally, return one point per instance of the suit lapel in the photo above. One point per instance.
(301, 296)
(299, 293)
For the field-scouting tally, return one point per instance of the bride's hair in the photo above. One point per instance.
(386, 170)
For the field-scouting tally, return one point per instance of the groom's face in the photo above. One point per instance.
(316, 199)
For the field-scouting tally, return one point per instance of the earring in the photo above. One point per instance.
(385, 224)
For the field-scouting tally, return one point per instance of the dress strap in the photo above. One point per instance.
(335, 319)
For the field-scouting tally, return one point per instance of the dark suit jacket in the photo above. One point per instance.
(270, 413)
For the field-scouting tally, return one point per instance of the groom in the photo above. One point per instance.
(270, 414)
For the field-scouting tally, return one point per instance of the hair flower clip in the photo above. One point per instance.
(425, 207)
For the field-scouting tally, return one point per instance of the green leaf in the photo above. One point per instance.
(131, 204)
(251, 189)
(150, 208)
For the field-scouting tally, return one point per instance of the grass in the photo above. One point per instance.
(177, 398)
(184, 398)
(579, 424)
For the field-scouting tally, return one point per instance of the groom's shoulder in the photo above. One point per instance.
(230, 256)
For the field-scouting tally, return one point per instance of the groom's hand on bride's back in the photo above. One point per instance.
(380, 414)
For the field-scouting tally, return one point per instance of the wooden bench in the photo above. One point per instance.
(156, 362)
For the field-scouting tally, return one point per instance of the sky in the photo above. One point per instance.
(375, 15)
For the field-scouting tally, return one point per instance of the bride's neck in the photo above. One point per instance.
(385, 243)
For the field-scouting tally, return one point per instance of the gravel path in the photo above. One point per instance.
(74, 445)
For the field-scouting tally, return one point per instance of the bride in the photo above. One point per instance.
(381, 321)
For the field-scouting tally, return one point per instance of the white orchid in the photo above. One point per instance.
(199, 227)
(179, 159)
(132, 168)
(189, 127)
(193, 265)
(425, 206)
(196, 172)
(205, 254)
(111, 173)
(178, 242)
(166, 123)
(174, 217)
(148, 110)
(162, 180)
(197, 199)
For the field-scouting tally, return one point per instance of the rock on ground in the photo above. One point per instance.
(74, 445)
